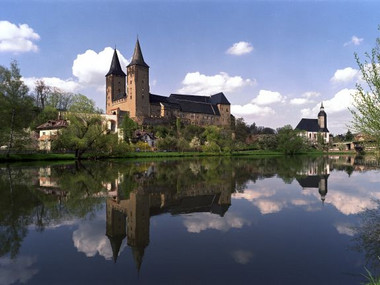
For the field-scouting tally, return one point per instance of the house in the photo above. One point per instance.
(49, 131)
(143, 136)
(131, 93)
(312, 128)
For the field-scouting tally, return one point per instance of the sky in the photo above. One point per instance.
(275, 61)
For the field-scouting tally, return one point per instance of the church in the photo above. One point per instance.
(311, 128)
(130, 93)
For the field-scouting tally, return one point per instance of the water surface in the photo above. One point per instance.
(202, 221)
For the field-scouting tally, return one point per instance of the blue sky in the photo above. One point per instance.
(276, 61)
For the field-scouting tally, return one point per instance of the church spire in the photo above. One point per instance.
(138, 58)
(115, 68)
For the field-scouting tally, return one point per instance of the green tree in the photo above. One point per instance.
(16, 106)
(129, 127)
(289, 141)
(59, 99)
(366, 106)
(48, 113)
(242, 130)
(85, 132)
(82, 104)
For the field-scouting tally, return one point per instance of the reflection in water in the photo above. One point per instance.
(133, 192)
(130, 216)
(315, 176)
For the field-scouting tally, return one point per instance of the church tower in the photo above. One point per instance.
(322, 119)
(115, 85)
(138, 103)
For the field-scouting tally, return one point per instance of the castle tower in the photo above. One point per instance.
(115, 85)
(138, 104)
(322, 119)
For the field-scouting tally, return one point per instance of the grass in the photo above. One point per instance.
(157, 154)
(371, 279)
(36, 157)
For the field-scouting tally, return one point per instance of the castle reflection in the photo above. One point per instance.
(130, 217)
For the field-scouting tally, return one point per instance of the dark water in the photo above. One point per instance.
(210, 221)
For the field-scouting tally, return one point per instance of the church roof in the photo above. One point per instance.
(310, 125)
(115, 68)
(138, 58)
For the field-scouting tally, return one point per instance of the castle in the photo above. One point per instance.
(131, 93)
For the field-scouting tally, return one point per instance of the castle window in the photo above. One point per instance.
(130, 97)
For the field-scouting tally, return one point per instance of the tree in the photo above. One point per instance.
(81, 104)
(129, 127)
(366, 106)
(16, 106)
(48, 113)
(242, 130)
(42, 93)
(59, 99)
(289, 141)
(85, 132)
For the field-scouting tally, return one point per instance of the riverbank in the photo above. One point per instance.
(70, 156)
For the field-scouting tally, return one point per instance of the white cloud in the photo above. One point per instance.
(17, 39)
(306, 98)
(267, 97)
(251, 110)
(251, 195)
(68, 85)
(350, 204)
(242, 256)
(200, 84)
(345, 229)
(339, 103)
(18, 270)
(345, 75)
(90, 239)
(90, 67)
(354, 41)
(203, 221)
(299, 101)
(240, 48)
(268, 207)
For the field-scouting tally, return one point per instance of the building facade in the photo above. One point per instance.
(312, 128)
(131, 93)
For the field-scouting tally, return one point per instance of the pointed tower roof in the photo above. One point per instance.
(138, 58)
(321, 110)
(115, 68)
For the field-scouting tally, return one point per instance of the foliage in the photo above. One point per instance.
(195, 144)
(167, 143)
(183, 145)
(211, 147)
(82, 104)
(289, 141)
(48, 113)
(366, 111)
(129, 127)
(16, 106)
(191, 131)
(85, 132)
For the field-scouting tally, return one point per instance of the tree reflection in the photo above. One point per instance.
(367, 239)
